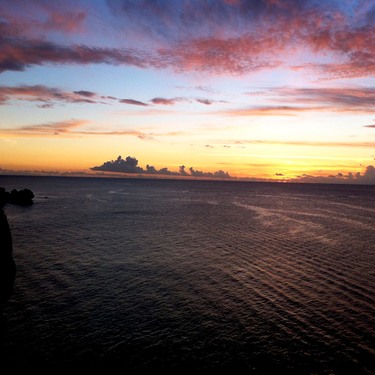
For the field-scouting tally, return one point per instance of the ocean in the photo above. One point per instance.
(191, 276)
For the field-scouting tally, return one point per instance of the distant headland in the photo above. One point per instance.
(22, 197)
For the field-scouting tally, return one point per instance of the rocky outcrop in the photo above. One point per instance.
(22, 197)
(7, 265)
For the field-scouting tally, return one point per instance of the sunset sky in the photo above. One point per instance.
(265, 89)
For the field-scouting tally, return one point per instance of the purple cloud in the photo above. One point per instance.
(46, 95)
(168, 101)
(133, 102)
(17, 55)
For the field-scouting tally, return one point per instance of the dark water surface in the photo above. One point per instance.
(192, 276)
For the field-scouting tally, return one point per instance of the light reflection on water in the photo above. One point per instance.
(193, 275)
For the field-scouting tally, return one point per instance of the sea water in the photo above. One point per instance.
(192, 276)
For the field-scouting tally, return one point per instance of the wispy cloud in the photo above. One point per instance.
(218, 37)
(266, 111)
(76, 128)
(286, 101)
(19, 54)
(166, 101)
(303, 143)
(47, 95)
(205, 101)
(346, 99)
(47, 129)
(87, 94)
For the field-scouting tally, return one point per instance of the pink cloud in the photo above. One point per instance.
(235, 37)
(163, 101)
(342, 99)
(68, 128)
(266, 111)
(217, 56)
(271, 40)
(70, 22)
(47, 129)
(74, 128)
(288, 101)
(355, 47)
(37, 18)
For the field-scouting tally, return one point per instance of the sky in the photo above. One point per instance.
(257, 89)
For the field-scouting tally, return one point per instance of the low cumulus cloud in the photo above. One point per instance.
(130, 165)
(368, 177)
(217, 174)
(365, 178)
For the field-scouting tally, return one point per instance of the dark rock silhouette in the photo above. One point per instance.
(7, 265)
(22, 197)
